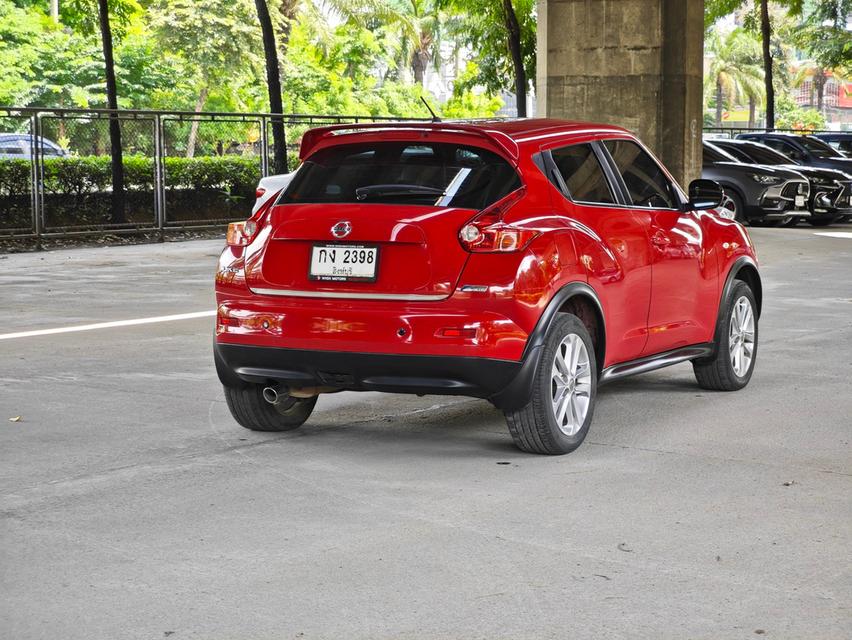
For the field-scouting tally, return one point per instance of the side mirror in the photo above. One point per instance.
(705, 194)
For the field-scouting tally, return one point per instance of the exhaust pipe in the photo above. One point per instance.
(274, 395)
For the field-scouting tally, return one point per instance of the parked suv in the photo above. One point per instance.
(831, 190)
(522, 261)
(757, 194)
(806, 150)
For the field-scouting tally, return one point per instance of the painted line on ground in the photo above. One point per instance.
(107, 325)
(834, 234)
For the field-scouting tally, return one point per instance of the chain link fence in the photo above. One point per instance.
(182, 170)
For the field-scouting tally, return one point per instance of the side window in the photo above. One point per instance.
(784, 147)
(583, 175)
(645, 180)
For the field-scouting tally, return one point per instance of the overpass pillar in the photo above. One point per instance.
(633, 63)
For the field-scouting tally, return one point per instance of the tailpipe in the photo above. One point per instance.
(276, 394)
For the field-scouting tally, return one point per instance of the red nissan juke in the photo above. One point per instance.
(521, 261)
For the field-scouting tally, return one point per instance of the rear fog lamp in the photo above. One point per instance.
(457, 332)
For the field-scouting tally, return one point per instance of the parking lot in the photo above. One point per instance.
(133, 506)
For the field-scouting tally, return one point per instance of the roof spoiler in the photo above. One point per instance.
(313, 137)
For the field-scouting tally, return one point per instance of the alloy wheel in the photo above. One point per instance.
(570, 384)
(741, 336)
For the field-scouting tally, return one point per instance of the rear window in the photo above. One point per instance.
(412, 173)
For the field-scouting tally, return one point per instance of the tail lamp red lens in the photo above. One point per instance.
(487, 233)
(240, 234)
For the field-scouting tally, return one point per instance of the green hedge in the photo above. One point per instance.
(91, 174)
(77, 189)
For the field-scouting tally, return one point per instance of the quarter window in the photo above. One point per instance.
(647, 184)
(583, 175)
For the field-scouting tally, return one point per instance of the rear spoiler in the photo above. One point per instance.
(312, 138)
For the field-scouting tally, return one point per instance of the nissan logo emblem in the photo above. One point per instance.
(341, 229)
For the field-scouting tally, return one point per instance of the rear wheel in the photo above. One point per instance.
(731, 367)
(557, 417)
(253, 412)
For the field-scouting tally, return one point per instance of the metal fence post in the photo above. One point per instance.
(159, 183)
(264, 147)
(38, 183)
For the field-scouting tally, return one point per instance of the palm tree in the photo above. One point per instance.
(734, 72)
(819, 76)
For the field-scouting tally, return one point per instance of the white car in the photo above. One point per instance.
(269, 187)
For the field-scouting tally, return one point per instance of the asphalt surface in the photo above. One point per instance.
(133, 506)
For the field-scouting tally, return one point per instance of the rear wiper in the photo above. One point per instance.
(380, 190)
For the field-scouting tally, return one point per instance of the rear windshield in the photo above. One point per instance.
(412, 173)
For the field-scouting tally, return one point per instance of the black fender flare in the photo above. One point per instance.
(518, 392)
(739, 264)
(743, 262)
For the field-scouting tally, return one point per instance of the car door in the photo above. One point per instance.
(611, 241)
(684, 278)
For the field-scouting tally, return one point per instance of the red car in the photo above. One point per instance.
(521, 261)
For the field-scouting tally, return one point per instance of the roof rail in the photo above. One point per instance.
(313, 137)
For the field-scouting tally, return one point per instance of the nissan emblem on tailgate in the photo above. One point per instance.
(341, 229)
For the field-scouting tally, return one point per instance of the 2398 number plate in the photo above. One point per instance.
(343, 262)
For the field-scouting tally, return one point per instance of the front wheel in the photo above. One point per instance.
(249, 408)
(557, 417)
(731, 367)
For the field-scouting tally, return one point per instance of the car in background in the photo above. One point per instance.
(757, 194)
(520, 261)
(840, 140)
(19, 146)
(804, 150)
(269, 187)
(831, 191)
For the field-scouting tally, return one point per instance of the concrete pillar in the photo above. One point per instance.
(634, 63)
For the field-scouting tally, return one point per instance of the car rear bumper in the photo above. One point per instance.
(506, 383)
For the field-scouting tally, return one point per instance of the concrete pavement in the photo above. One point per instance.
(132, 506)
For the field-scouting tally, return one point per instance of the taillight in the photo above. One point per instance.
(259, 192)
(488, 233)
(240, 234)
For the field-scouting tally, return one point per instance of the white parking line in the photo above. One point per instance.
(835, 234)
(107, 325)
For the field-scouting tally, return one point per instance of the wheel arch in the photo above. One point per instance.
(745, 270)
(578, 298)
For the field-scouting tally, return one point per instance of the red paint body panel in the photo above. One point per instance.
(657, 273)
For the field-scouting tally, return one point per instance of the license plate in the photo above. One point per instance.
(343, 262)
(800, 201)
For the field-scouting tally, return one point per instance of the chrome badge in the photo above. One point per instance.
(341, 229)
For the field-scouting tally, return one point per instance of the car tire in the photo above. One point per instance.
(253, 412)
(556, 419)
(732, 365)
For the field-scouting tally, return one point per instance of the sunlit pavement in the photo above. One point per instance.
(134, 507)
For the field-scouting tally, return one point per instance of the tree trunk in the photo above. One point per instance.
(273, 82)
(116, 160)
(819, 80)
(719, 98)
(752, 108)
(766, 35)
(513, 31)
(193, 128)
(418, 65)
(287, 10)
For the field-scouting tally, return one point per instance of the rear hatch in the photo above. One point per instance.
(377, 220)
